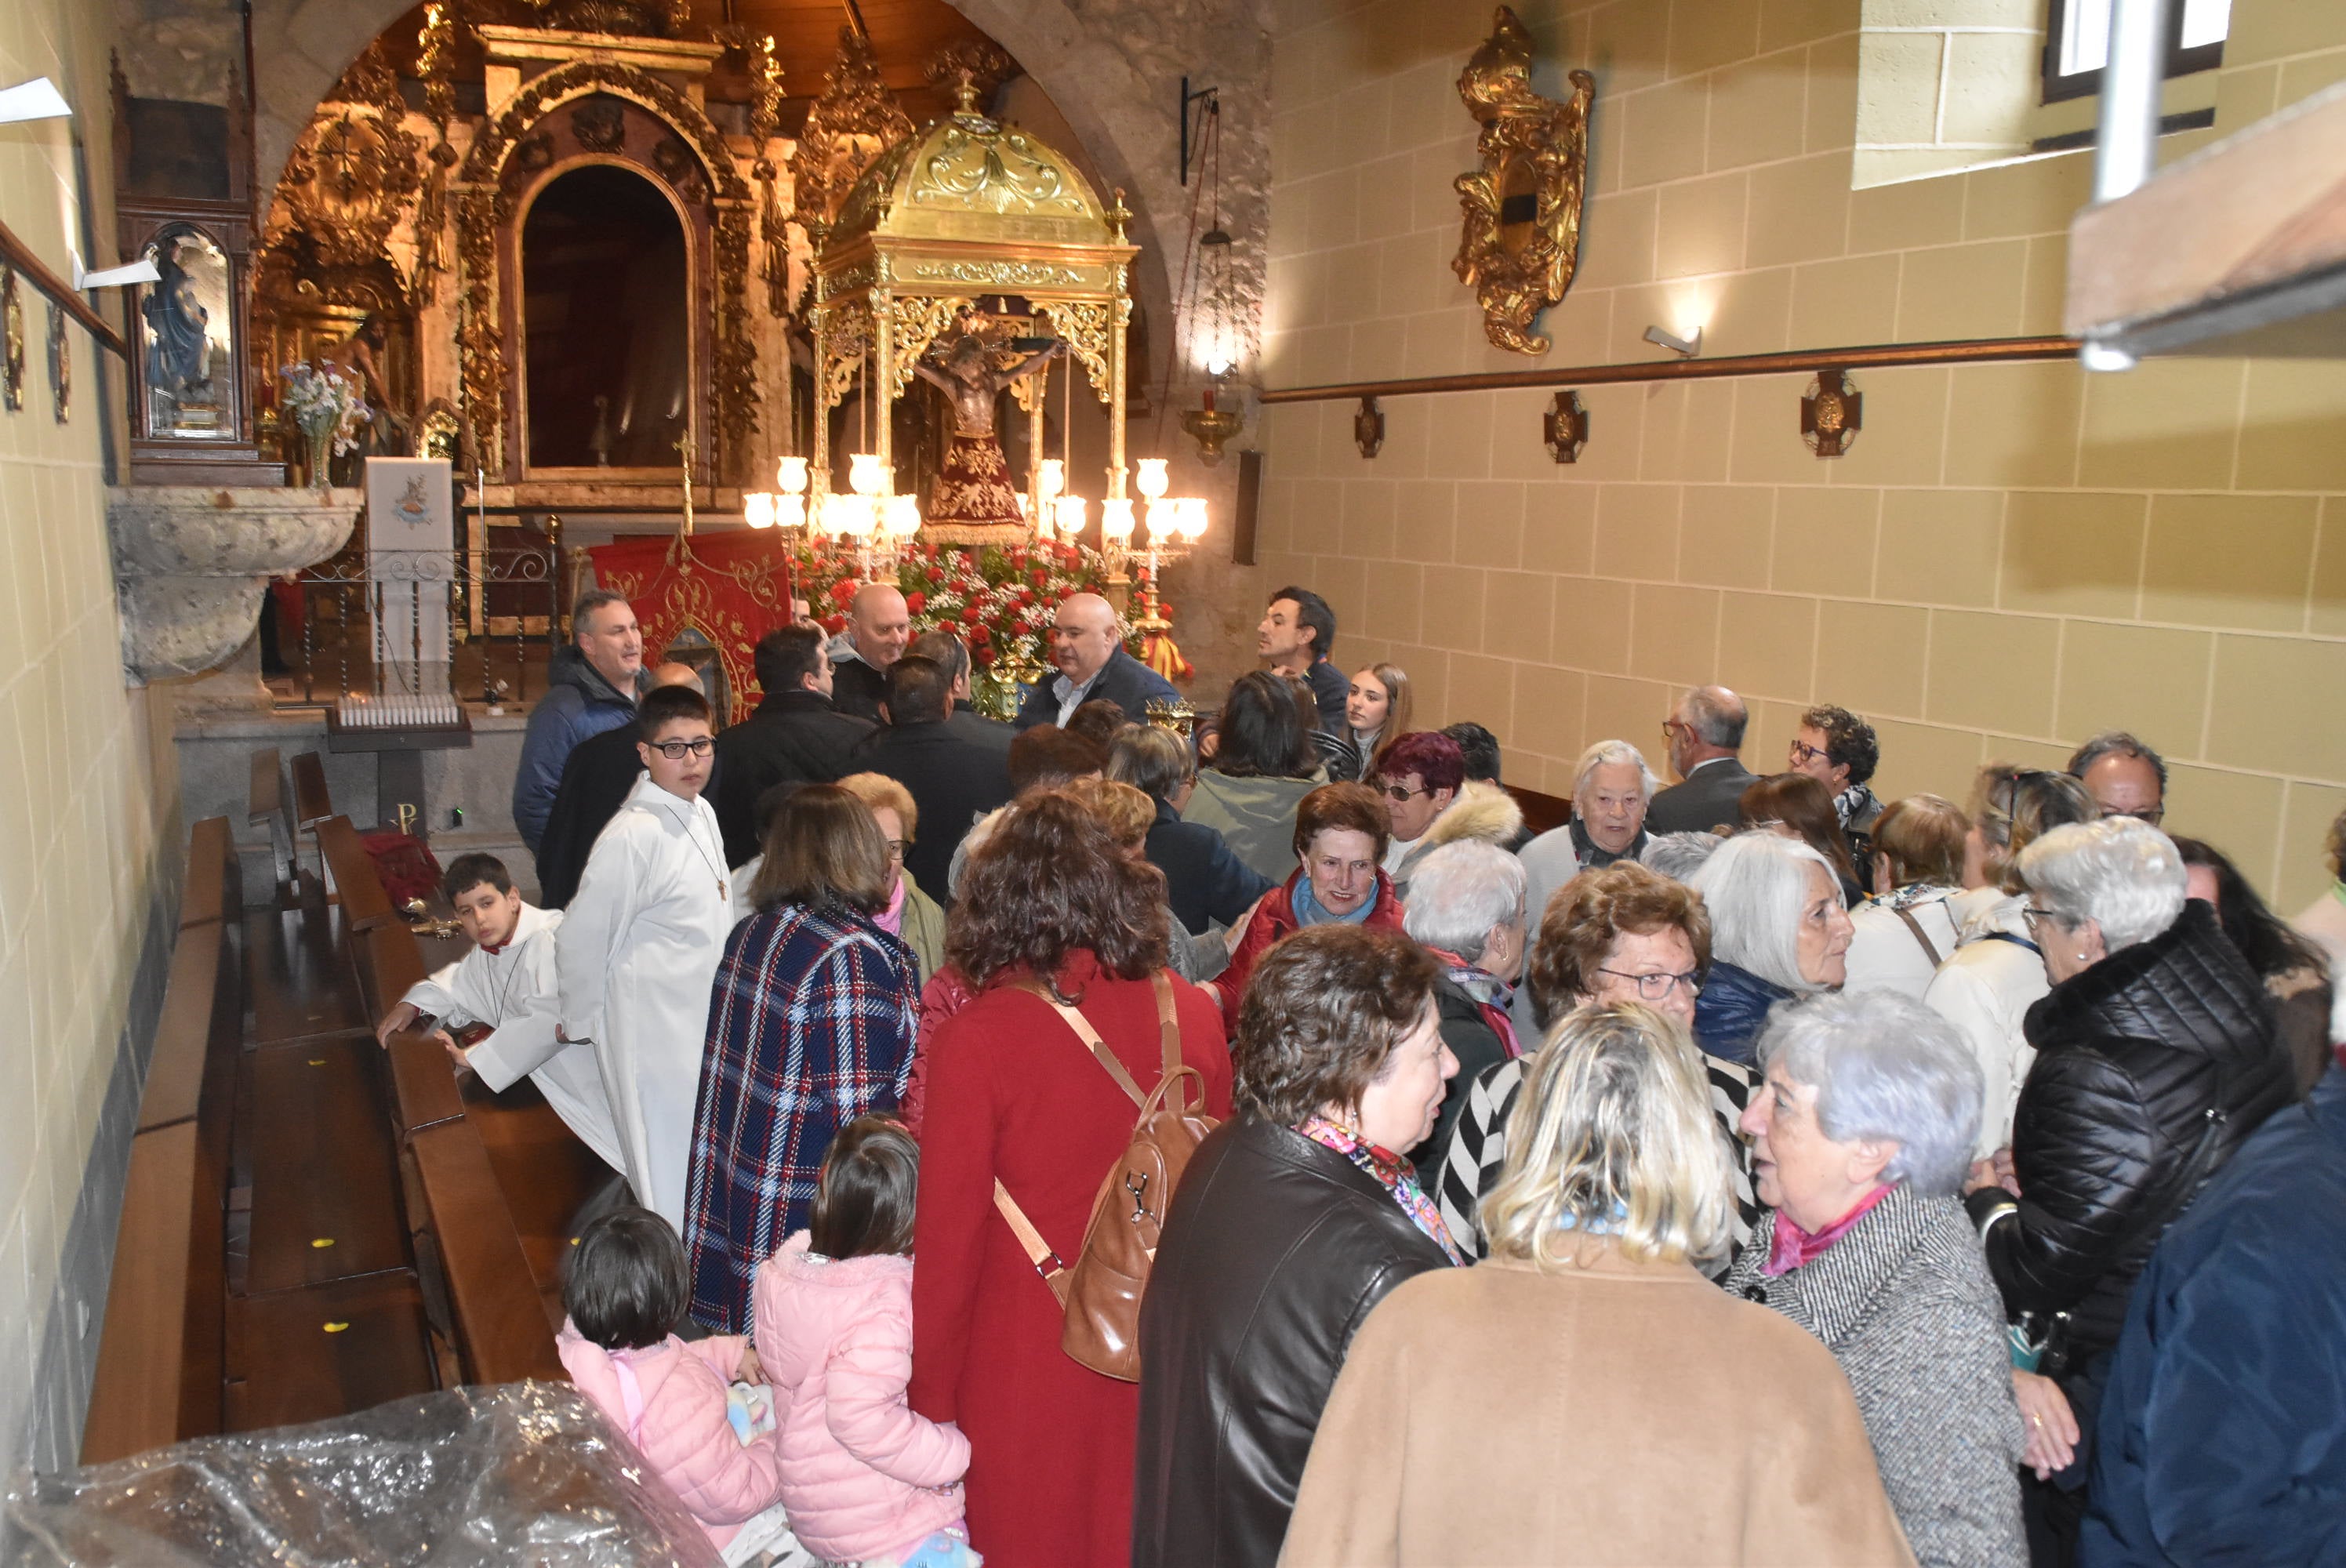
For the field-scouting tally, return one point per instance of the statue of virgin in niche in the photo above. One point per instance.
(179, 339)
(974, 487)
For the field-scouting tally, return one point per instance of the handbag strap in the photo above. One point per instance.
(1916, 926)
(1038, 1251)
(1089, 1036)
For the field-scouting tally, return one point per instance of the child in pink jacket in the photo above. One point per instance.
(865, 1480)
(626, 1292)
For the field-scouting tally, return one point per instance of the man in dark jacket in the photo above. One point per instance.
(951, 657)
(793, 737)
(2222, 1435)
(603, 769)
(1088, 653)
(1297, 633)
(879, 623)
(953, 780)
(1705, 731)
(591, 686)
(1205, 881)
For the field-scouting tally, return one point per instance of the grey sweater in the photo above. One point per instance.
(1903, 1301)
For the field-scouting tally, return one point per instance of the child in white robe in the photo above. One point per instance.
(638, 949)
(507, 981)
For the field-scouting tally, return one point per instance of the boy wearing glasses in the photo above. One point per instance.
(507, 983)
(637, 948)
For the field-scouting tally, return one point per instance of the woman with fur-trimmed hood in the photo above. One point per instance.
(1431, 803)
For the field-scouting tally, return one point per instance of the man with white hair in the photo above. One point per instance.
(878, 626)
(1088, 650)
(1706, 732)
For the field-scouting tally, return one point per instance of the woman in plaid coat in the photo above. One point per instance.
(810, 1024)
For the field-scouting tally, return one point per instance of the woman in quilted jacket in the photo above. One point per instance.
(864, 1478)
(624, 1291)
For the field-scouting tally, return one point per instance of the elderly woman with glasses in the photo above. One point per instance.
(1466, 909)
(1860, 1137)
(1779, 930)
(2155, 1056)
(1693, 1426)
(1338, 840)
(1623, 934)
(911, 913)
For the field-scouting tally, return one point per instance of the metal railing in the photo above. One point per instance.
(375, 623)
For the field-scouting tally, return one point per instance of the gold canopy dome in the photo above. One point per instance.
(966, 176)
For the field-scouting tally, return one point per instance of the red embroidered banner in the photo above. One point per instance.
(732, 588)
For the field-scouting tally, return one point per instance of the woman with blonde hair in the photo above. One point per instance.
(1728, 1434)
(911, 913)
(1376, 712)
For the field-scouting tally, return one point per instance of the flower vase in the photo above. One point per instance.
(322, 452)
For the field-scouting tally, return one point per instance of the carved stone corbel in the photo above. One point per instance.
(190, 563)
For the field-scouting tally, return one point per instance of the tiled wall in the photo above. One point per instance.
(89, 853)
(2009, 558)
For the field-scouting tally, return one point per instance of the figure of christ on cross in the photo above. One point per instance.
(974, 489)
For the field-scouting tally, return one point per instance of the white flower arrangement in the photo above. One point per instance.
(324, 402)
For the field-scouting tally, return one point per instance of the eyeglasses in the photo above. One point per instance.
(1400, 792)
(896, 848)
(2035, 917)
(2148, 816)
(1670, 726)
(1657, 987)
(678, 751)
(1804, 753)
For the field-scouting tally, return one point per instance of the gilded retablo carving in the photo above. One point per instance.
(1519, 239)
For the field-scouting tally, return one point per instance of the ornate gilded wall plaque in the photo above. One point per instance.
(60, 363)
(12, 367)
(1519, 242)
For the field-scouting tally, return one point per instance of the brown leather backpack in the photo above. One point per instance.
(1101, 1290)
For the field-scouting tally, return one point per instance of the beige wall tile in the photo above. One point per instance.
(2165, 425)
(1940, 546)
(2301, 78)
(1766, 448)
(1425, 514)
(1483, 689)
(1632, 710)
(2039, 196)
(1519, 613)
(2146, 679)
(1962, 291)
(2303, 873)
(1428, 669)
(1560, 528)
(2044, 287)
(1451, 602)
(1490, 524)
(1787, 22)
(1991, 671)
(1369, 520)
(1833, 93)
(1616, 416)
(2289, 434)
(1392, 603)
(1906, 217)
(1705, 34)
(2276, 29)
(1766, 744)
(1989, 77)
(2069, 551)
(1628, 43)
(1674, 634)
(2240, 560)
(1681, 431)
(1899, 76)
(1870, 658)
(1638, 532)
(1617, 239)
(1824, 541)
(1727, 534)
(1663, 130)
(1852, 300)
(1924, 759)
(1592, 624)
(1750, 313)
(1904, 438)
(1768, 643)
(2327, 614)
(2245, 95)
(1700, 226)
(2239, 813)
(1799, 210)
(1551, 706)
(1756, 110)
(2259, 706)
(1459, 435)
(2014, 425)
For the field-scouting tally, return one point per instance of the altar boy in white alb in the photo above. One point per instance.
(639, 946)
(507, 983)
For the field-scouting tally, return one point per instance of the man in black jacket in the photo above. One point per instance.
(951, 657)
(879, 623)
(1705, 731)
(1205, 881)
(596, 778)
(1086, 649)
(1297, 632)
(953, 778)
(795, 736)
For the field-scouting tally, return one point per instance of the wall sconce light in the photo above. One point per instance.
(1564, 427)
(1369, 427)
(1832, 414)
(1686, 347)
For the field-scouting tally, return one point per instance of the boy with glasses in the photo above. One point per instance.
(638, 950)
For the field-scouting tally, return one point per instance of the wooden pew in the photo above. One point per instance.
(312, 803)
(364, 903)
(270, 806)
(1541, 812)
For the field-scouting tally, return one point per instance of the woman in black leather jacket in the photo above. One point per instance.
(2155, 1057)
(1291, 1222)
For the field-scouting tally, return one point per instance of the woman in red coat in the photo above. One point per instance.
(1342, 831)
(1014, 1095)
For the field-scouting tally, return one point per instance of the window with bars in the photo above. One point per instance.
(2077, 41)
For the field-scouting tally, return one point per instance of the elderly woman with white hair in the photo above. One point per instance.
(1860, 1136)
(1466, 907)
(1611, 788)
(1695, 1427)
(2157, 1056)
(1779, 930)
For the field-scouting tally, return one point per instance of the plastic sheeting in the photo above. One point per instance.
(524, 1474)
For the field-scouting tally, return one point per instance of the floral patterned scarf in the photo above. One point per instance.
(1392, 1172)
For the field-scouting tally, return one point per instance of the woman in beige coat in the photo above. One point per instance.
(1586, 1396)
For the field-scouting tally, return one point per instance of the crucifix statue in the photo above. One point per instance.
(973, 488)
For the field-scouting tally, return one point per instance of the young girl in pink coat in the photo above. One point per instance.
(865, 1480)
(626, 1292)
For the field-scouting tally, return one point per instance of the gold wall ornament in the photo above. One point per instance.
(1519, 239)
(734, 374)
(1832, 414)
(1564, 426)
(435, 60)
(846, 342)
(1083, 324)
(480, 339)
(915, 323)
(352, 170)
(618, 18)
(60, 363)
(848, 128)
(12, 367)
